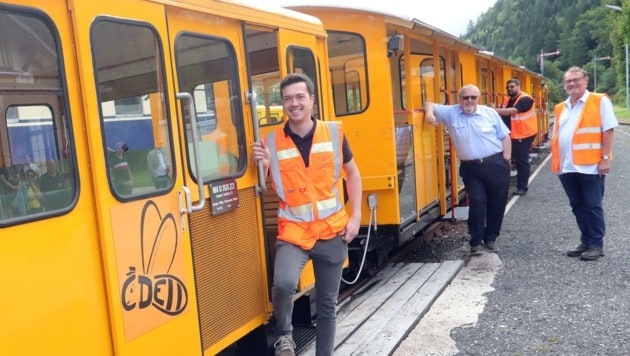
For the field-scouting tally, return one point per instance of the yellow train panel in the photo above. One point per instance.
(230, 275)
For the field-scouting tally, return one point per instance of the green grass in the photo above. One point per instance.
(623, 114)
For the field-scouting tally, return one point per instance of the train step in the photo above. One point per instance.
(377, 318)
(460, 213)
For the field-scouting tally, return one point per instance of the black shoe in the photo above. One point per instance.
(592, 254)
(475, 250)
(492, 246)
(520, 192)
(578, 251)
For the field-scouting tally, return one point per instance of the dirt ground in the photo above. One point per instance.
(450, 242)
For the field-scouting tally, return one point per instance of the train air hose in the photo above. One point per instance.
(372, 205)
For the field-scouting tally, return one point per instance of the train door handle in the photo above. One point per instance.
(262, 185)
(187, 99)
(185, 201)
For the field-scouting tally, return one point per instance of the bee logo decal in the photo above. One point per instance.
(153, 286)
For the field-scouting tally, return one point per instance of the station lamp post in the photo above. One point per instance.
(618, 8)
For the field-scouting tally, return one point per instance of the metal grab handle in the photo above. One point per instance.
(262, 184)
(184, 200)
(187, 99)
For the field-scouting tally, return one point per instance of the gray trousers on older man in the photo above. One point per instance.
(328, 257)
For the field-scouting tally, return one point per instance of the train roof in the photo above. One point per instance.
(400, 18)
(404, 20)
(258, 12)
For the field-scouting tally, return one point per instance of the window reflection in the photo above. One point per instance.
(37, 171)
(133, 111)
(207, 69)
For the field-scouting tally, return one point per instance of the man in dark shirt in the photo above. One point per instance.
(305, 159)
(519, 115)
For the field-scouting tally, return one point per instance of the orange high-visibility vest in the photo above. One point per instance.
(310, 198)
(587, 138)
(523, 124)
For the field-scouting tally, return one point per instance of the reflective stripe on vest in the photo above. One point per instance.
(524, 124)
(587, 139)
(315, 209)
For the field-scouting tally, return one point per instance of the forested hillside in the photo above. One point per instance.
(585, 32)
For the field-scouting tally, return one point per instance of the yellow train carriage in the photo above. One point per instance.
(383, 67)
(151, 239)
(493, 75)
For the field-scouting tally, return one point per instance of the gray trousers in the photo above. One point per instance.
(328, 257)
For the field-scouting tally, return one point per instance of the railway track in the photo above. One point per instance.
(444, 239)
(400, 255)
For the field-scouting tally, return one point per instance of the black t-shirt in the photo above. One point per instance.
(523, 105)
(304, 143)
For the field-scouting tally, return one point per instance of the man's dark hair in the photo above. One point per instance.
(298, 78)
(514, 81)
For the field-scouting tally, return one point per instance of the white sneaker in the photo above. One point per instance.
(284, 346)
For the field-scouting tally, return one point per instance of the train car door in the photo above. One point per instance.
(137, 176)
(53, 297)
(227, 238)
(295, 54)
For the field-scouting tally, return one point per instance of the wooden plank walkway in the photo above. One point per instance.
(379, 316)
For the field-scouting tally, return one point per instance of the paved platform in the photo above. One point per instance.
(376, 318)
(531, 298)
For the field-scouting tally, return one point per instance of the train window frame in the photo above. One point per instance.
(311, 72)
(341, 98)
(421, 64)
(139, 178)
(226, 137)
(483, 84)
(38, 85)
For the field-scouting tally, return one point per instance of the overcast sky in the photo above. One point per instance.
(451, 16)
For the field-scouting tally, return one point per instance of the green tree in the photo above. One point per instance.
(581, 29)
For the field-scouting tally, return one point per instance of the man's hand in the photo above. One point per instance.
(260, 151)
(352, 229)
(429, 116)
(603, 167)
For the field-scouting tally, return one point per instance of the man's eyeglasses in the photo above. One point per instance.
(471, 97)
(573, 81)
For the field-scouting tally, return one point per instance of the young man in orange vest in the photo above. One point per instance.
(519, 114)
(305, 159)
(581, 150)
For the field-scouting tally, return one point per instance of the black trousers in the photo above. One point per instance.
(520, 156)
(487, 185)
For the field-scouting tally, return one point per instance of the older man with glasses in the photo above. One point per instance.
(581, 150)
(484, 148)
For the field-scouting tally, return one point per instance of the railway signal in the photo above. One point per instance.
(542, 59)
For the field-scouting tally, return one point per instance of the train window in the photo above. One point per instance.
(425, 86)
(301, 60)
(483, 85)
(206, 67)
(128, 106)
(348, 70)
(262, 55)
(37, 172)
(134, 122)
